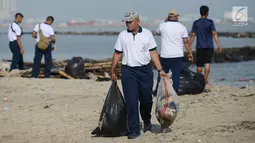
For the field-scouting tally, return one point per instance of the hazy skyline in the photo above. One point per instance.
(115, 9)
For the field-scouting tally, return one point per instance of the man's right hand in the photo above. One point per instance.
(219, 49)
(21, 51)
(113, 76)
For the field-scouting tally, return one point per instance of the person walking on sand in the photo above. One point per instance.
(48, 32)
(205, 31)
(14, 35)
(138, 47)
(174, 36)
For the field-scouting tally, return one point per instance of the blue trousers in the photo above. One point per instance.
(137, 85)
(37, 61)
(175, 65)
(17, 57)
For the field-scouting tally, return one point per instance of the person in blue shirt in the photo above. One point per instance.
(205, 31)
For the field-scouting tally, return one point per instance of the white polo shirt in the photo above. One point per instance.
(14, 31)
(172, 34)
(47, 30)
(136, 48)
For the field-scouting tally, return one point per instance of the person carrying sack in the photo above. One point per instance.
(44, 42)
(45, 37)
(138, 47)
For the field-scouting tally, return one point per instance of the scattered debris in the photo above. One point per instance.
(45, 107)
(246, 95)
(98, 71)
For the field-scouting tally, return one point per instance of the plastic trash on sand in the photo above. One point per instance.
(75, 68)
(113, 117)
(167, 103)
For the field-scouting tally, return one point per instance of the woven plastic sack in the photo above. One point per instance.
(167, 103)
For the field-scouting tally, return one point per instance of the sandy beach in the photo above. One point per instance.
(60, 111)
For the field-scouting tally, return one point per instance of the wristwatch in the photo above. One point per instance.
(160, 70)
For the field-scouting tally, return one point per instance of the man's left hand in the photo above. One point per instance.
(21, 51)
(113, 76)
(163, 74)
(190, 57)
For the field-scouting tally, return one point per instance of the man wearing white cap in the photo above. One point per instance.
(138, 47)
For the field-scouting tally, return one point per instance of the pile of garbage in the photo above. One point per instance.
(75, 68)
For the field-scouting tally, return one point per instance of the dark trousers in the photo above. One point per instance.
(175, 64)
(17, 57)
(37, 61)
(137, 85)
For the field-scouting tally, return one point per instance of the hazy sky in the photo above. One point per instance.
(115, 9)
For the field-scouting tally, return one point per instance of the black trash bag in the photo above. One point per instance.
(113, 117)
(190, 82)
(75, 67)
(200, 82)
(187, 73)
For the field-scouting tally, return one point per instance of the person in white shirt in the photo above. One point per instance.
(48, 32)
(138, 47)
(14, 35)
(174, 36)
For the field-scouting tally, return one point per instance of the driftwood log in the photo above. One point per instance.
(65, 75)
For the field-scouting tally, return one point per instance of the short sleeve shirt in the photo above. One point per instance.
(203, 28)
(172, 35)
(47, 30)
(14, 31)
(135, 48)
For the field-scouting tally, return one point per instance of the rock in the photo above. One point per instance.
(5, 67)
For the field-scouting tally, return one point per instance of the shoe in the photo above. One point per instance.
(147, 128)
(134, 136)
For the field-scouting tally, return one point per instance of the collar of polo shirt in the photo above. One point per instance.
(172, 20)
(139, 30)
(46, 23)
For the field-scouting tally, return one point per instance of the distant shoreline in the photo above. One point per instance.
(112, 33)
(234, 54)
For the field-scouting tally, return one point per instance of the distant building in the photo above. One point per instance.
(77, 23)
(7, 9)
